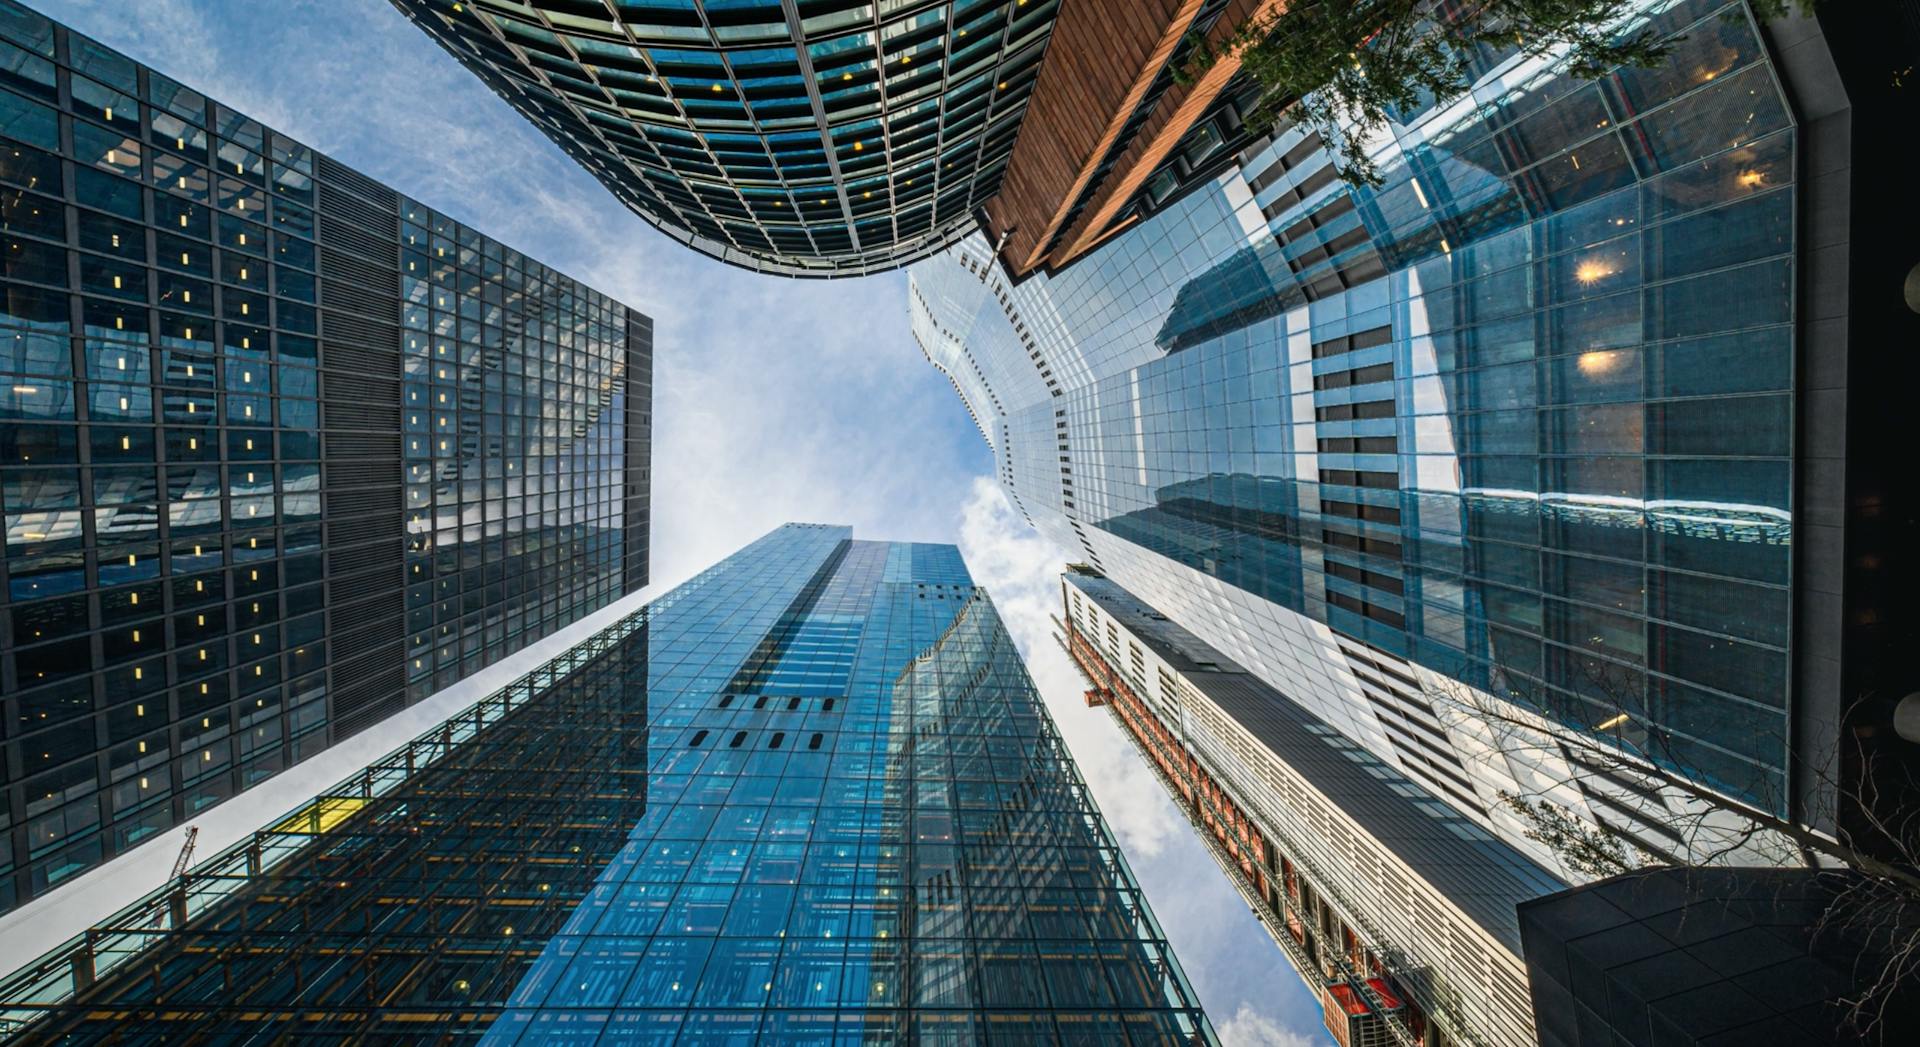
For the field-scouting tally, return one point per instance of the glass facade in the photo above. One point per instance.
(809, 796)
(1522, 416)
(817, 138)
(280, 451)
(518, 388)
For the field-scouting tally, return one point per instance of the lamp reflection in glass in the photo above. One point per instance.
(1596, 362)
(1593, 270)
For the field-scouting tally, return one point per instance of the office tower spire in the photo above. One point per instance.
(808, 796)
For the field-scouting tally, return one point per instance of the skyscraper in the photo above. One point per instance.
(833, 138)
(809, 795)
(1398, 912)
(1528, 423)
(809, 139)
(281, 451)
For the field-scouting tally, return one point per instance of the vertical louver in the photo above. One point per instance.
(360, 413)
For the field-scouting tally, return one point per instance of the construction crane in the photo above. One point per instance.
(179, 867)
(186, 853)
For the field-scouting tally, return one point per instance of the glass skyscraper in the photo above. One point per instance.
(281, 451)
(822, 138)
(1521, 419)
(809, 139)
(809, 796)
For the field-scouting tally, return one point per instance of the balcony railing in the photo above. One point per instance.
(72, 967)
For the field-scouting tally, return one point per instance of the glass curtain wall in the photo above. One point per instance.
(811, 796)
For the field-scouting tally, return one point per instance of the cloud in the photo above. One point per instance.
(1021, 570)
(1233, 965)
(805, 405)
(770, 394)
(171, 33)
(774, 399)
(1249, 1028)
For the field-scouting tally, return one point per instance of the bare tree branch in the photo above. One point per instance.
(1874, 877)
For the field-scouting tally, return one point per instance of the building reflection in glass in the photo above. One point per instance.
(810, 794)
(1521, 414)
(412, 897)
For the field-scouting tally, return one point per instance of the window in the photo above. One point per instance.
(29, 122)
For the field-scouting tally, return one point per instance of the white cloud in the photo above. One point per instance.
(775, 399)
(1232, 963)
(1021, 570)
(775, 415)
(768, 391)
(1250, 1028)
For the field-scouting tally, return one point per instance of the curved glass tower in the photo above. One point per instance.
(802, 137)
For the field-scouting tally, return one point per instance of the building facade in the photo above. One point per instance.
(1707, 956)
(809, 796)
(1396, 910)
(281, 452)
(1523, 425)
(807, 139)
(822, 138)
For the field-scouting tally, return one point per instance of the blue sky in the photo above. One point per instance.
(775, 399)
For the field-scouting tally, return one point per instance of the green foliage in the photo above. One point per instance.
(1343, 67)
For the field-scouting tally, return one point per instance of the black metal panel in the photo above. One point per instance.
(355, 642)
(343, 472)
(361, 410)
(360, 543)
(639, 450)
(344, 236)
(345, 502)
(335, 175)
(342, 328)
